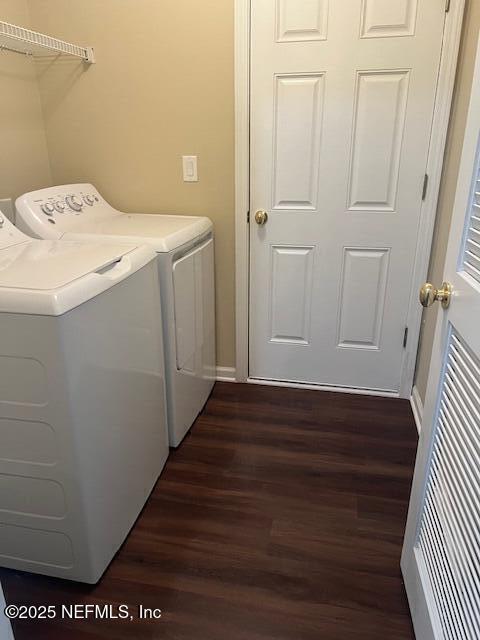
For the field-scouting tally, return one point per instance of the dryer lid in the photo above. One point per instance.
(164, 233)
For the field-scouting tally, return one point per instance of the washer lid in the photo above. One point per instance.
(163, 233)
(52, 277)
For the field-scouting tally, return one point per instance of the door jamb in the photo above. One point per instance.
(441, 116)
(242, 185)
(438, 138)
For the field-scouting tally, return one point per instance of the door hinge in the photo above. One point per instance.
(248, 217)
(425, 186)
(447, 6)
(405, 338)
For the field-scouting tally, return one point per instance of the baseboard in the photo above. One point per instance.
(323, 387)
(417, 408)
(226, 374)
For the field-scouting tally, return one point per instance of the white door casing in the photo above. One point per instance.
(441, 554)
(342, 98)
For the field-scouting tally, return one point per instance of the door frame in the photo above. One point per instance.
(441, 116)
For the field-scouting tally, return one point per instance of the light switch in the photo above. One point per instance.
(190, 170)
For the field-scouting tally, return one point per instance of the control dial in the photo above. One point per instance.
(59, 206)
(89, 200)
(48, 208)
(74, 203)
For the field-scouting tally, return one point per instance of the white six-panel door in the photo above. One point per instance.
(441, 555)
(342, 98)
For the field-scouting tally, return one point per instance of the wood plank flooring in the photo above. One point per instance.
(280, 517)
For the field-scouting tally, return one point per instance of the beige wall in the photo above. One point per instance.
(24, 161)
(447, 194)
(162, 88)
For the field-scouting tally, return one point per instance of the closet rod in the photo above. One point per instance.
(4, 47)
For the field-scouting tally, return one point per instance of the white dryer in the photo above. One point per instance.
(83, 433)
(185, 256)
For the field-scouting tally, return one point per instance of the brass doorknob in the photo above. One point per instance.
(429, 295)
(261, 217)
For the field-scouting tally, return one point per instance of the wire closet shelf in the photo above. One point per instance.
(20, 40)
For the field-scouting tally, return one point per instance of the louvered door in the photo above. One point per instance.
(441, 555)
(471, 255)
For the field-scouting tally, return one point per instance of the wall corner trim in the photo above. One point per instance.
(417, 408)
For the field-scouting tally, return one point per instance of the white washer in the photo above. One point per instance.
(185, 250)
(83, 433)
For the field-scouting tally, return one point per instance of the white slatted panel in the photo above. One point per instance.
(449, 533)
(471, 252)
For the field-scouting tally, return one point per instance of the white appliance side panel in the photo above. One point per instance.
(194, 294)
(188, 390)
(207, 275)
(117, 389)
(186, 316)
(37, 463)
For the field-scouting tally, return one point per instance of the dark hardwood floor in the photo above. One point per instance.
(280, 517)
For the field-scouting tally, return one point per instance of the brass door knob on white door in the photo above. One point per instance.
(429, 295)
(261, 217)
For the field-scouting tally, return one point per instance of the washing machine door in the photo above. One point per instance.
(50, 278)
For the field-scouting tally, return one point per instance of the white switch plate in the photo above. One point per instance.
(190, 169)
(8, 210)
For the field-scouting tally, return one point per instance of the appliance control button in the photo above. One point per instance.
(59, 206)
(48, 208)
(74, 203)
(89, 200)
(2, 221)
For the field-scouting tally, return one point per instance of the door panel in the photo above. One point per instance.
(292, 270)
(362, 307)
(441, 553)
(380, 111)
(342, 100)
(300, 21)
(387, 19)
(298, 119)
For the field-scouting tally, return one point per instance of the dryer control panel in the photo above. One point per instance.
(52, 212)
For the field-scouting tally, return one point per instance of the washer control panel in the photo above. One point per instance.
(73, 203)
